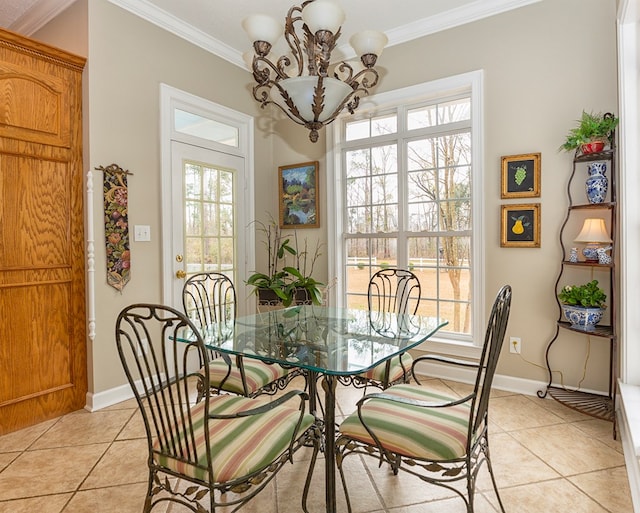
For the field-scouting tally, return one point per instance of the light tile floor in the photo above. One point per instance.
(547, 458)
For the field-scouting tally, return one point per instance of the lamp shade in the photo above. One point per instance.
(323, 15)
(593, 230)
(368, 42)
(260, 27)
(301, 90)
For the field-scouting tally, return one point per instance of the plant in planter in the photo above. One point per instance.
(286, 283)
(583, 305)
(593, 132)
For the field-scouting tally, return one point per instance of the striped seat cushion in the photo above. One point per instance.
(257, 373)
(396, 370)
(426, 433)
(238, 446)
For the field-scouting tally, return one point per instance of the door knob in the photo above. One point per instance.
(181, 274)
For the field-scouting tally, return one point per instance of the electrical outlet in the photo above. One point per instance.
(515, 345)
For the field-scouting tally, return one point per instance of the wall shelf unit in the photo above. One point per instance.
(601, 406)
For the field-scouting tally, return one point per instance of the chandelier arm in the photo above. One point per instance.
(350, 105)
(261, 94)
(362, 77)
(344, 72)
(292, 38)
(262, 75)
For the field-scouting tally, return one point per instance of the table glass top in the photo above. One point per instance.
(327, 340)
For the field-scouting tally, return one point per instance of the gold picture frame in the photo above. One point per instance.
(520, 226)
(521, 176)
(298, 196)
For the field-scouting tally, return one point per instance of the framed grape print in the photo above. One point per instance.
(521, 176)
(520, 227)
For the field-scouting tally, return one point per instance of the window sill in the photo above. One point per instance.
(449, 347)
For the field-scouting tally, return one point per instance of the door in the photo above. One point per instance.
(207, 223)
(207, 193)
(43, 365)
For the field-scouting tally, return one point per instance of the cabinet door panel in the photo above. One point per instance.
(43, 362)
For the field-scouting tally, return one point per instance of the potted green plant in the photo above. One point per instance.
(286, 283)
(593, 132)
(583, 305)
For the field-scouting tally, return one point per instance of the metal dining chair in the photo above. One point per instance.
(209, 299)
(394, 291)
(226, 448)
(442, 439)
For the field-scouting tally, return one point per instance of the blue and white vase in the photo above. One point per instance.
(581, 317)
(597, 183)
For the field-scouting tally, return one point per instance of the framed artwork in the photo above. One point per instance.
(520, 226)
(298, 190)
(521, 176)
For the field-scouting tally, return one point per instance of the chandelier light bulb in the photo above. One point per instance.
(368, 42)
(260, 27)
(323, 15)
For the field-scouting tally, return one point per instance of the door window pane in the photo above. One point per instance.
(209, 218)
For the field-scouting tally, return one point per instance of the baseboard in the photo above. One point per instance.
(116, 395)
(101, 400)
(628, 418)
(501, 382)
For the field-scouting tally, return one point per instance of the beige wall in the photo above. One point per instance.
(543, 64)
(537, 81)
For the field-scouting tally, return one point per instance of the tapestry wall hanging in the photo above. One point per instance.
(116, 225)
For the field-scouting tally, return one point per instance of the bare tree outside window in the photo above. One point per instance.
(431, 219)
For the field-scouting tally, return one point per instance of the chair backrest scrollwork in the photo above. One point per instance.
(209, 299)
(158, 368)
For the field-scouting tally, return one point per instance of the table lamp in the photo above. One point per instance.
(594, 234)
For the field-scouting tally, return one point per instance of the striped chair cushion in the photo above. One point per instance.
(396, 370)
(238, 446)
(425, 433)
(257, 373)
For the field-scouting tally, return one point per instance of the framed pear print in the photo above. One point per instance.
(520, 227)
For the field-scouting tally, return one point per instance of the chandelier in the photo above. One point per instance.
(299, 83)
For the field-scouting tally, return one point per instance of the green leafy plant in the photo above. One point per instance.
(591, 127)
(588, 295)
(286, 280)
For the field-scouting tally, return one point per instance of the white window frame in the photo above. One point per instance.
(472, 84)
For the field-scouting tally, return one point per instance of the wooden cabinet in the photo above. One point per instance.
(43, 363)
(581, 271)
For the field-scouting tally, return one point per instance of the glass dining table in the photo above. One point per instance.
(325, 343)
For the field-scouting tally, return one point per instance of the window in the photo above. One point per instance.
(409, 184)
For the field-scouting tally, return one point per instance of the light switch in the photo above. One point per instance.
(142, 233)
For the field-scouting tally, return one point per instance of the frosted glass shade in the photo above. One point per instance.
(368, 41)
(261, 27)
(593, 230)
(323, 15)
(300, 89)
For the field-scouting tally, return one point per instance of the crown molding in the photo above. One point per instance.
(38, 16)
(455, 17)
(469, 13)
(170, 23)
